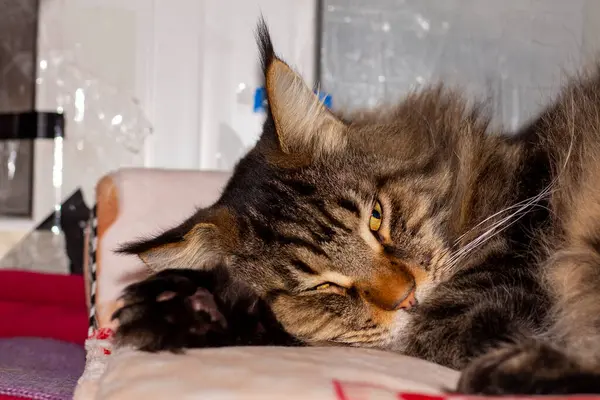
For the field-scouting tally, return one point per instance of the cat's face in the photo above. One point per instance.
(347, 262)
(343, 226)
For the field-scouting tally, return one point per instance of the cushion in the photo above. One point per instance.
(331, 373)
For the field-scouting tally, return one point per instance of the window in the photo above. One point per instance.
(18, 38)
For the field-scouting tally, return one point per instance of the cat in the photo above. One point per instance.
(416, 228)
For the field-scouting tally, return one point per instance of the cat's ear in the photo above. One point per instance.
(303, 123)
(202, 242)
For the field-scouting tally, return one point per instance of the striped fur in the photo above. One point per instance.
(499, 233)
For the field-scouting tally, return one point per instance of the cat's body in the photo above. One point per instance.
(415, 229)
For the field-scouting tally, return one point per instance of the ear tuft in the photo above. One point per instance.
(265, 45)
(303, 124)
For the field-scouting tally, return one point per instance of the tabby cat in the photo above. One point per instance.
(414, 228)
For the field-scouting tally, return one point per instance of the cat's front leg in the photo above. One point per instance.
(530, 368)
(178, 309)
(541, 368)
(486, 322)
(571, 363)
(171, 310)
(474, 312)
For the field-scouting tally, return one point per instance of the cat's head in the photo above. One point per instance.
(344, 224)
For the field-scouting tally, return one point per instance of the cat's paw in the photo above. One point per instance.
(172, 310)
(530, 369)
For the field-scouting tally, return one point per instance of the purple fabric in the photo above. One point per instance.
(36, 368)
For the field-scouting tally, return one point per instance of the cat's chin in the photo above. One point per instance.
(399, 330)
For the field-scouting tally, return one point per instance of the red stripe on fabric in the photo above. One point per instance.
(339, 390)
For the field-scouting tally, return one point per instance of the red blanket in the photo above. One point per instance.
(43, 305)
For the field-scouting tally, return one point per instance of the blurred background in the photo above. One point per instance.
(176, 83)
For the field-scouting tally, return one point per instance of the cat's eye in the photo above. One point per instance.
(323, 286)
(376, 216)
(329, 287)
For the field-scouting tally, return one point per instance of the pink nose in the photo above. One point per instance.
(408, 302)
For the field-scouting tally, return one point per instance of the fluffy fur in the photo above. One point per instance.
(497, 234)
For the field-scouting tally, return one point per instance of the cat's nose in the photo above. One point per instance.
(390, 292)
(407, 302)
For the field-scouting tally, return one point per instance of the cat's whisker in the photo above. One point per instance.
(485, 236)
(495, 230)
(523, 206)
(501, 225)
(484, 240)
(504, 210)
(491, 232)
